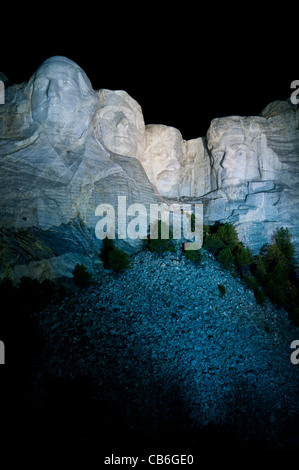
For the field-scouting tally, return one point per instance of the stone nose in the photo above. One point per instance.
(53, 89)
(122, 122)
(227, 161)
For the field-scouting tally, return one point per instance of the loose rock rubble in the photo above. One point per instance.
(161, 339)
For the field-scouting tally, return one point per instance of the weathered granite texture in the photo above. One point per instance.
(255, 173)
(55, 171)
(245, 171)
(174, 166)
(119, 123)
(66, 148)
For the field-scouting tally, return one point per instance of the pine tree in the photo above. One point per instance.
(106, 248)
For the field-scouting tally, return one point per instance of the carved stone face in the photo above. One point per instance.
(161, 159)
(119, 123)
(62, 97)
(234, 154)
(234, 163)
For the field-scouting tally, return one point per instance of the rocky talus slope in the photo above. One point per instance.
(165, 352)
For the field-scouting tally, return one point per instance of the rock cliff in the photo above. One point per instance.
(255, 170)
(58, 163)
(66, 148)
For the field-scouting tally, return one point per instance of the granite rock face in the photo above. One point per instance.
(255, 173)
(245, 171)
(66, 148)
(119, 123)
(176, 168)
(55, 171)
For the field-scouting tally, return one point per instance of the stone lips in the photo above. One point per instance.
(66, 148)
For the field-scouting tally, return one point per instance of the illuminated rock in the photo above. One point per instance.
(66, 148)
(254, 173)
(174, 166)
(162, 158)
(55, 169)
(119, 123)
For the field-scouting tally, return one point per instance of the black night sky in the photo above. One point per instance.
(181, 76)
(184, 65)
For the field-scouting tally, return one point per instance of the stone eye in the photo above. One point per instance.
(240, 153)
(218, 155)
(66, 84)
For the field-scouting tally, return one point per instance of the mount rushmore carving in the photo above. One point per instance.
(66, 148)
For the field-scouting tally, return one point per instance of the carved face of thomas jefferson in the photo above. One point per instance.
(119, 123)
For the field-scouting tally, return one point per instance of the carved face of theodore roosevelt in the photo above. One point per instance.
(62, 98)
